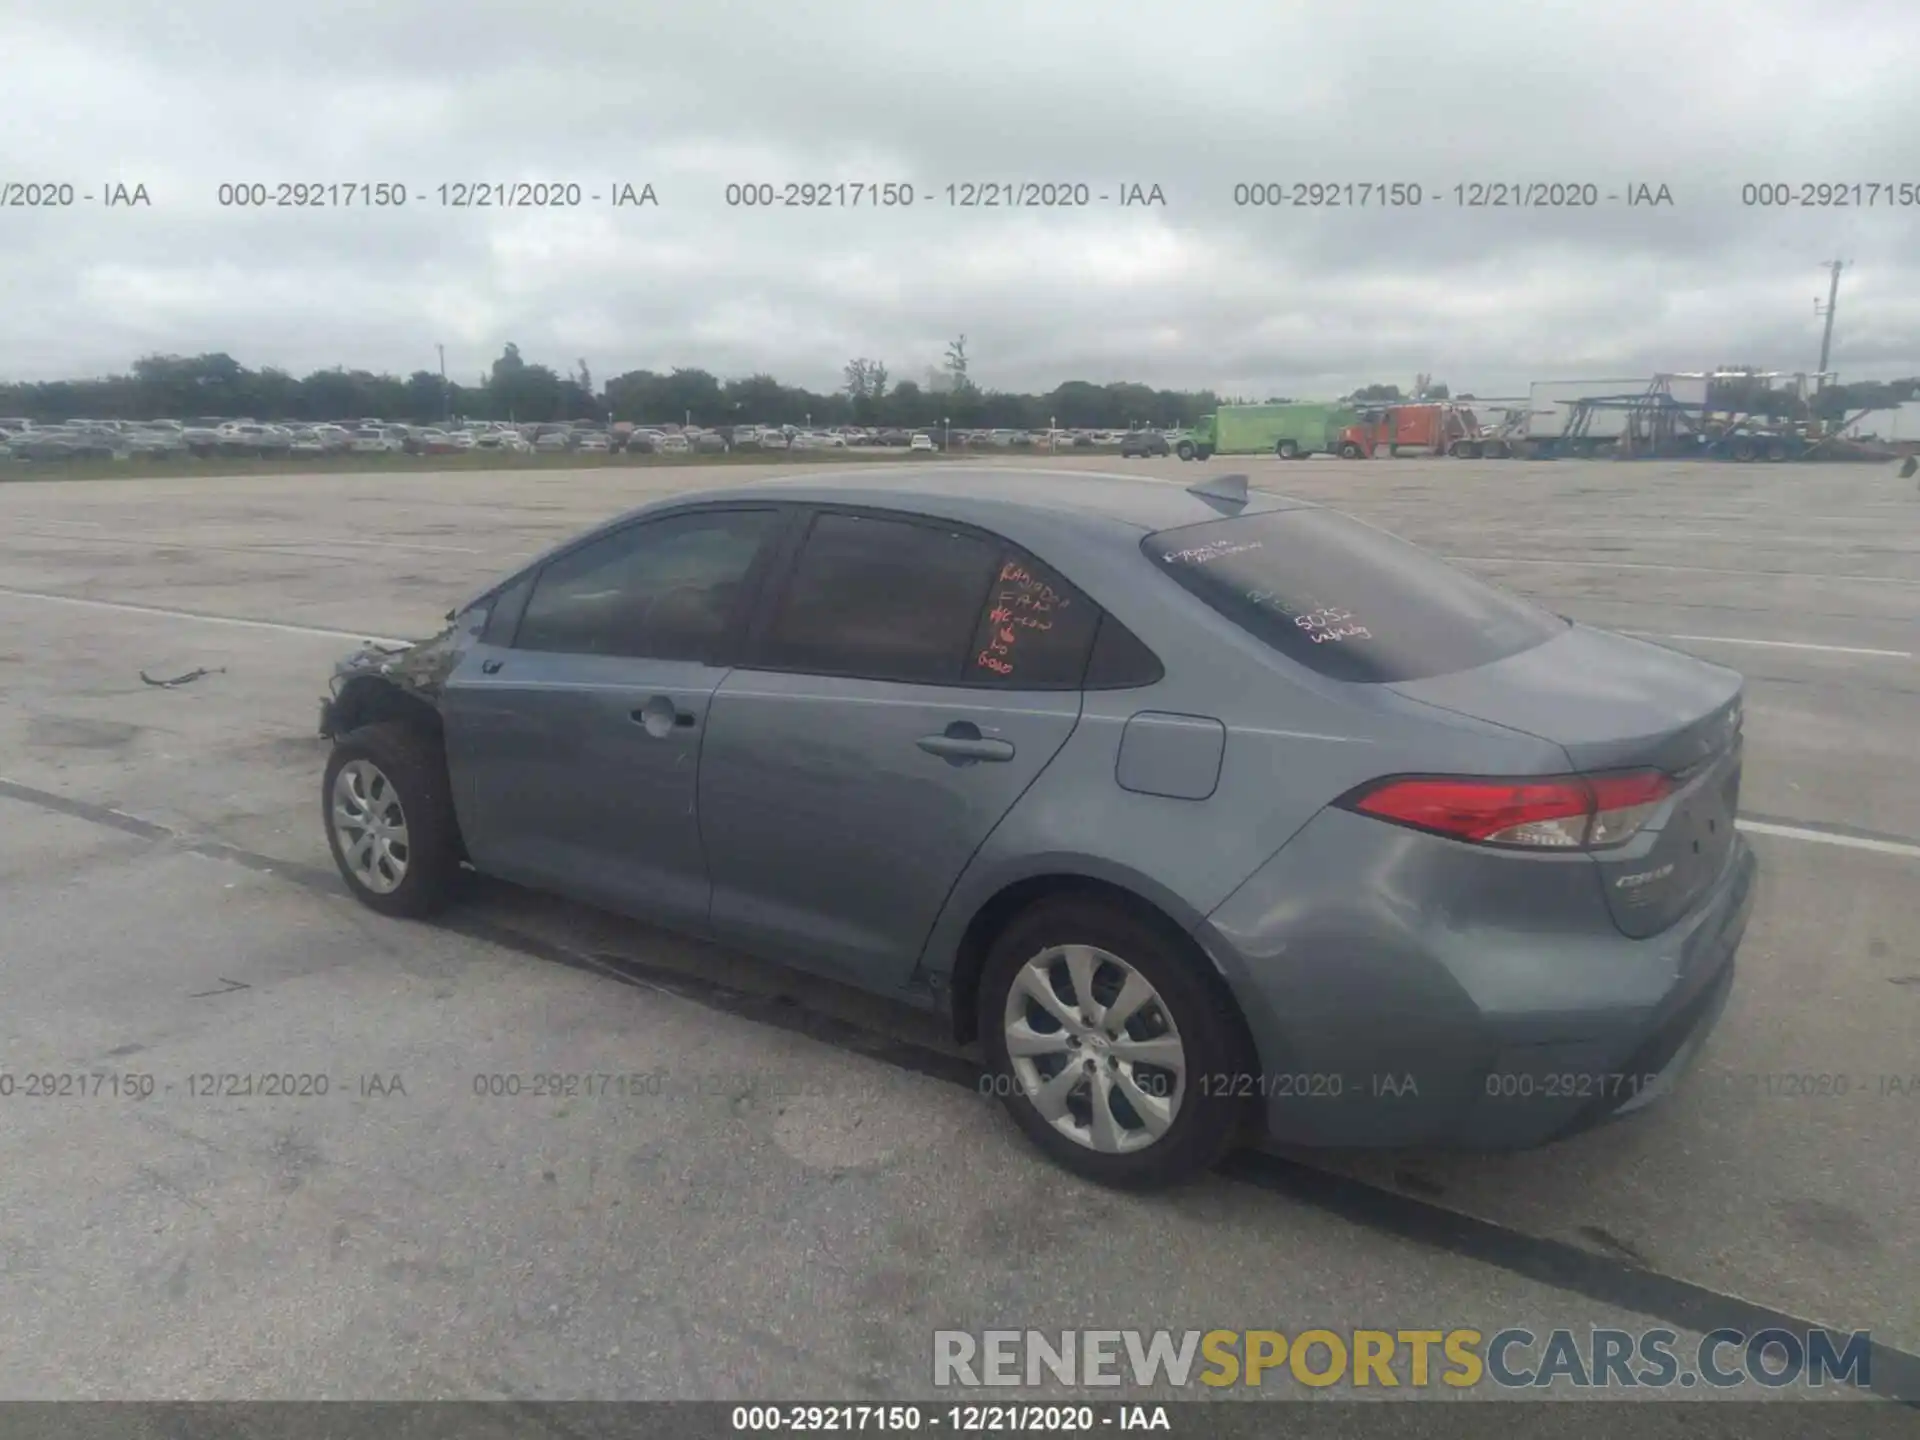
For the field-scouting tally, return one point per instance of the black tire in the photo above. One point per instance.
(1186, 450)
(1287, 450)
(1349, 451)
(415, 766)
(1209, 1113)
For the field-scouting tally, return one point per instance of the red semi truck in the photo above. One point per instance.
(1434, 427)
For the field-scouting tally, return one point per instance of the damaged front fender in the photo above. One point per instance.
(383, 681)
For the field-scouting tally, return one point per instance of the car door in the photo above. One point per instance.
(574, 727)
(894, 703)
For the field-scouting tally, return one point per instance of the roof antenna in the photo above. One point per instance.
(1225, 489)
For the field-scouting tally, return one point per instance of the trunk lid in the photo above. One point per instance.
(1616, 703)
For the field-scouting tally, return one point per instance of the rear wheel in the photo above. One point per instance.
(1349, 451)
(389, 815)
(1287, 450)
(1743, 448)
(1110, 1045)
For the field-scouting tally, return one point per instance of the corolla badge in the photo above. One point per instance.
(1645, 877)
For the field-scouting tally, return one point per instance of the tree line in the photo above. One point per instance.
(515, 389)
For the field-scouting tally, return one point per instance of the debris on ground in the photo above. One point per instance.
(186, 679)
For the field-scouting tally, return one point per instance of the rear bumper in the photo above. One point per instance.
(1381, 1021)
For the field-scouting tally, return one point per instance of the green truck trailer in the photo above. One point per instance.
(1289, 431)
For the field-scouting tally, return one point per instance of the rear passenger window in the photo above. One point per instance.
(1120, 660)
(1035, 632)
(882, 600)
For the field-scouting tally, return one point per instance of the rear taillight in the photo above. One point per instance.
(1559, 812)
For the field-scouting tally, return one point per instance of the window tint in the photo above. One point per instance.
(660, 590)
(883, 599)
(1346, 600)
(1035, 631)
(504, 615)
(1120, 661)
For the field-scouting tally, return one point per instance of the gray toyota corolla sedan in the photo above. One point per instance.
(1190, 806)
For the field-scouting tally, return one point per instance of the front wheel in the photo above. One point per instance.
(1111, 1046)
(1349, 451)
(1186, 450)
(388, 810)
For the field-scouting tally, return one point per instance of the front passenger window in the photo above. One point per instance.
(664, 589)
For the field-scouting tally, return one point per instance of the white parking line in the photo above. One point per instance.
(1772, 644)
(1594, 562)
(374, 545)
(1827, 837)
(129, 608)
(269, 547)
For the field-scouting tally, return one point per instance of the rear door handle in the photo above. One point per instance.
(660, 717)
(491, 667)
(963, 742)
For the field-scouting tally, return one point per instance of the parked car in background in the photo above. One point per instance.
(594, 442)
(248, 439)
(372, 442)
(1142, 443)
(672, 445)
(554, 442)
(919, 442)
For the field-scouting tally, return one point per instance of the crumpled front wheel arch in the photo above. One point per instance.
(371, 700)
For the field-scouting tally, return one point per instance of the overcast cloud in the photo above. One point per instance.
(1700, 97)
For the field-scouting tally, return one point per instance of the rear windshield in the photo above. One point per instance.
(1346, 600)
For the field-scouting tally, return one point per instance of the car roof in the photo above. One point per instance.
(992, 497)
(1069, 517)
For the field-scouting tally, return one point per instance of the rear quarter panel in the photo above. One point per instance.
(1294, 743)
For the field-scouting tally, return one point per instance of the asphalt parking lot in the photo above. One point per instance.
(812, 1186)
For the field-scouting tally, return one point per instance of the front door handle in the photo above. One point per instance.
(962, 743)
(491, 667)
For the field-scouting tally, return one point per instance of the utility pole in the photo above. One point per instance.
(1833, 294)
(446, 393)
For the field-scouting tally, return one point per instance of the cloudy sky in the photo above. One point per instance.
(1703, 97)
